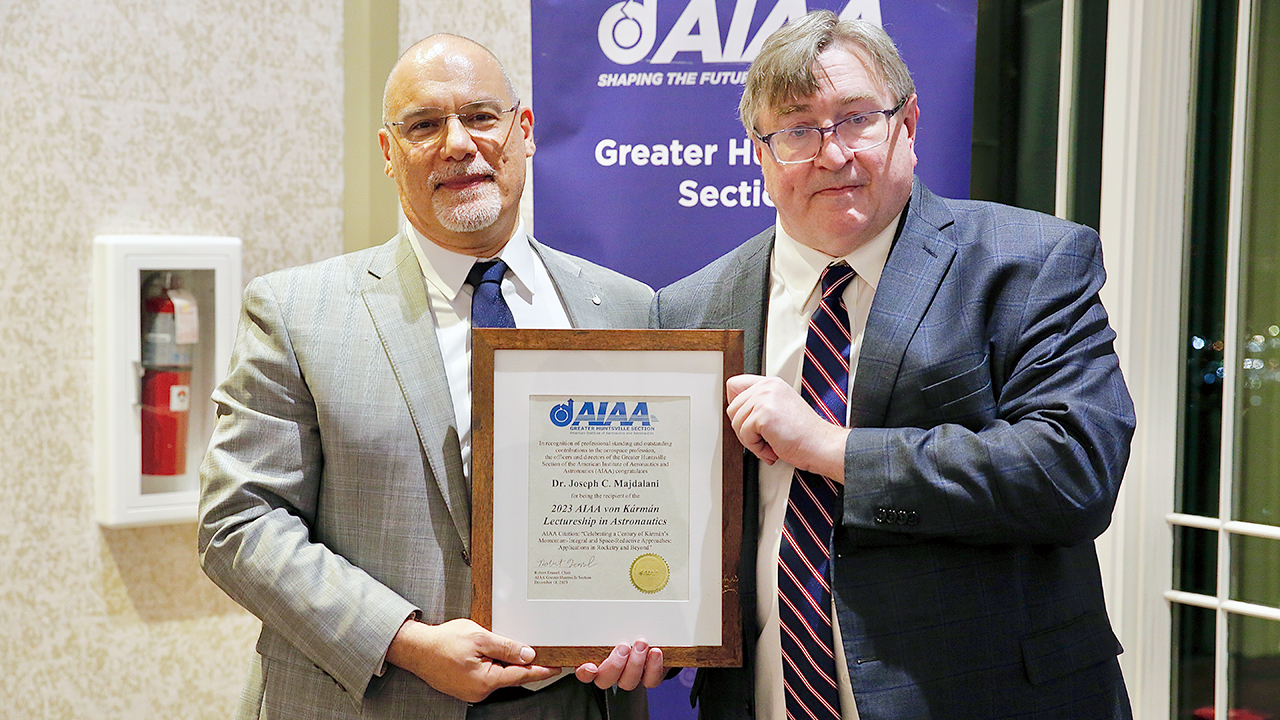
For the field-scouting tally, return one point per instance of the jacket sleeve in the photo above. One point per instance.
(261, 482)
(1010, 421)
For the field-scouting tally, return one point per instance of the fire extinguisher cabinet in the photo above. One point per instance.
(164, 317)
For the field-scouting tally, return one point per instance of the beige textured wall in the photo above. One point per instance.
(133, 116)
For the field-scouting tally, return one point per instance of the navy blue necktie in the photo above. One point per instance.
(488, 307)
(804, 558)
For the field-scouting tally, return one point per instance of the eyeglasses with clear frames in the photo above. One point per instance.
(481, 119)
(792, 146)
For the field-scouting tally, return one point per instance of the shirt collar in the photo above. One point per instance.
(799, 266)
(447, 270)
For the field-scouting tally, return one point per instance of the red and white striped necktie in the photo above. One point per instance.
(804, 559)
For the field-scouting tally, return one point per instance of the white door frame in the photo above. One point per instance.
(1146, 162)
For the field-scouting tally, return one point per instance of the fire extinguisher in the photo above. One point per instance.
(170, 331)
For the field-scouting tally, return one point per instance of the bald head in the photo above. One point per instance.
(443, 49)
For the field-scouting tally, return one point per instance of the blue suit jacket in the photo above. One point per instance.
(991, 429)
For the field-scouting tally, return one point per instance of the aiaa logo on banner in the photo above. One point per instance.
(628, 30)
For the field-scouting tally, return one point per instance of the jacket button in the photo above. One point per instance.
(902, 517)
(913, 518)
(880, 515)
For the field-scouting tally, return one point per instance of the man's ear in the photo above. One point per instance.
(526, 126)
(384, 140)
(910, 120)
(912, 114)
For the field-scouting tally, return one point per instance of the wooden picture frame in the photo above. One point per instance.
(607, 492)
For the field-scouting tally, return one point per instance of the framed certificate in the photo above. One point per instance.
(607, 492)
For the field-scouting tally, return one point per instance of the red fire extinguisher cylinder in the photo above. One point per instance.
(165, 414)
(166, 388)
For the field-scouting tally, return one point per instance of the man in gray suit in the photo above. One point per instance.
(336, 499)
(927, 552)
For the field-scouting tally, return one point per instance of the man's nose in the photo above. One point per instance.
(456, 143)
(833, 155)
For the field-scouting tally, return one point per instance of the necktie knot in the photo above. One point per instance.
(834, 279)
(488, 308)
(489, 271)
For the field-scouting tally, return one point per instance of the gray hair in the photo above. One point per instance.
(783, 71)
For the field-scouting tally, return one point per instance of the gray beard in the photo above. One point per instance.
(467, 210)
(470, 210)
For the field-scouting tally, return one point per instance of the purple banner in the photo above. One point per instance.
(642, 164)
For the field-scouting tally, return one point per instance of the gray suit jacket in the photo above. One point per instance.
(991, 430)
(333, 499)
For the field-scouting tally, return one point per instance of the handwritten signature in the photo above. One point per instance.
(566, 563)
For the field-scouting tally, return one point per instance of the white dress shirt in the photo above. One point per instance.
(527, 288)
(793, 295)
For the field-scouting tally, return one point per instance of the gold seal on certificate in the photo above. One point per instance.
(649, 573)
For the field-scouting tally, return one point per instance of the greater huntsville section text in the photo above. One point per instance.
(744, 193)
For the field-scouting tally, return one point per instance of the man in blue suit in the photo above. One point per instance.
(978, 434)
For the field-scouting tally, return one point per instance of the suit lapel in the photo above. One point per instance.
(917, 264)
(397, 301)
(581, 297)
(743, 298)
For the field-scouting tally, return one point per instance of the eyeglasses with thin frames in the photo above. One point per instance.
(863, 131)
(481, 119)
